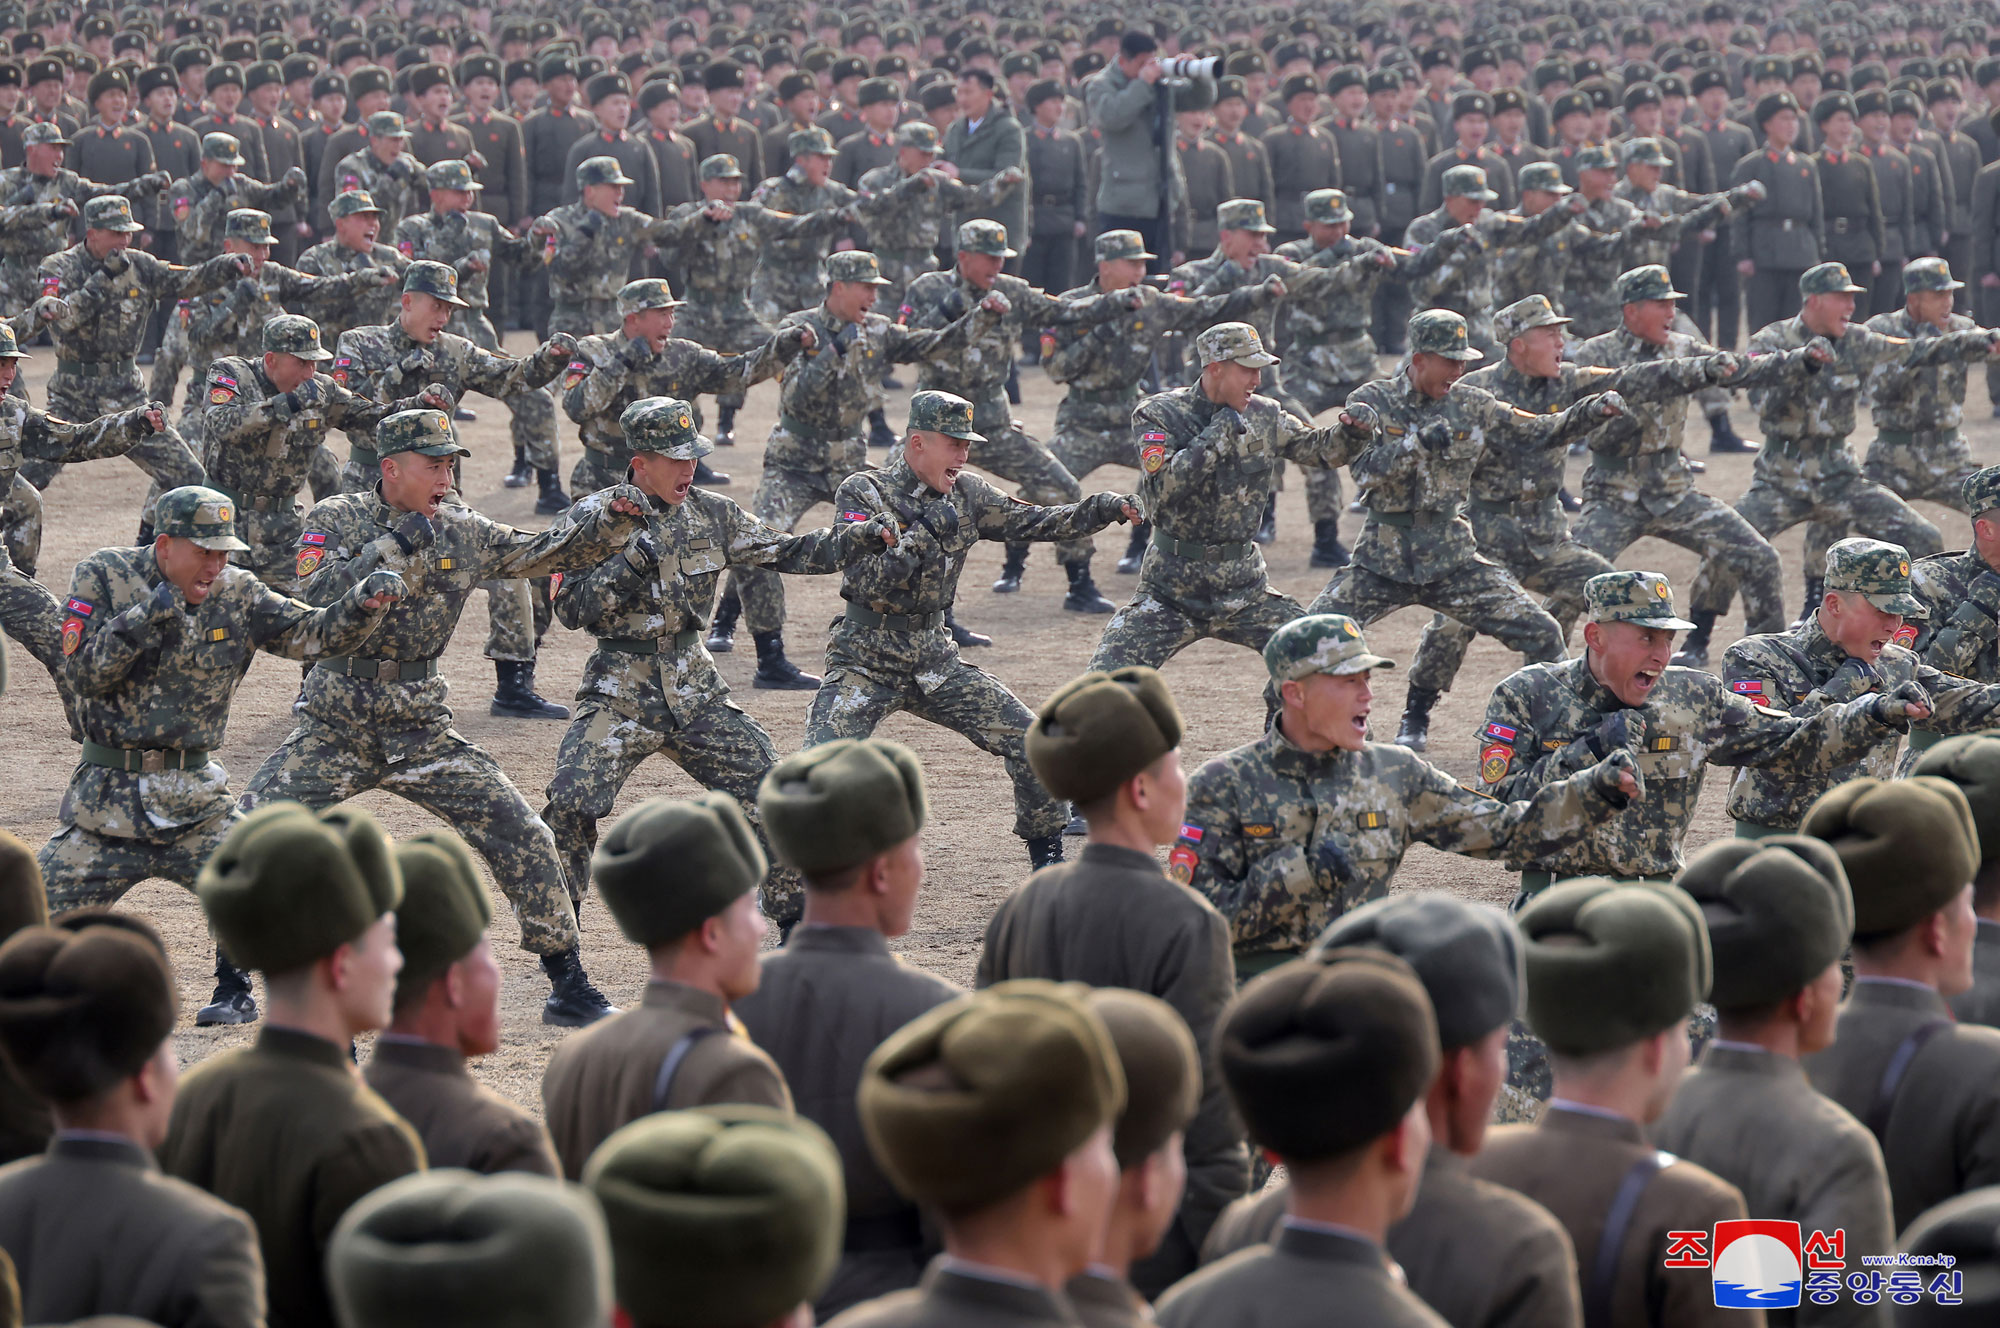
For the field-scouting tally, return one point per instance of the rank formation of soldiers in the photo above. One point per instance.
(1216, 1066)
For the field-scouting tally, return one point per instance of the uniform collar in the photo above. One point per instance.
(666, 994)
(838, 940)
(417, 1054)
(295, 1044)
(1567, 1118)
(1896, 994)
(1818, 646)
(98, 1146)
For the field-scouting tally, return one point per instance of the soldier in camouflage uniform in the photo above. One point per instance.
(383, 169)
(1207, 459)
(1855, 643)
(470, 243)
(1548, 721)
(1463, 283)
(39, 200)
(1415, 475)
(357, 228)
(644, 359)
(110, 289)
(1286, 834)
(384, 363)
(979, 373)
(1543, 269)
(589, 245)
(265, 419)
(380, 720)
(890, 650)
(1805, 469)
(1959, 632)
(155, 641)
(822, 400)
(649, 686)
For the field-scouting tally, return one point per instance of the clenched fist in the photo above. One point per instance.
(381, 588)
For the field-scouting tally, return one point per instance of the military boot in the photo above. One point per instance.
(523, 474)
(1135, 547)
(1415, 730)
(879, 432)
(722, 636)
(1328, 551)
(1013, 385)
(1012, 569)
(232, 1001)
(551, 501)
(725, 426)
(1722, 436)
(145, 533)
(1570, 502)
(1815, 591)
(1693, 653)
(515, 696)
(775, 673)
(1045, 850)
(573, 1002)
(1084, 597)
(1267, 529)
(963, 635)
(709, 479)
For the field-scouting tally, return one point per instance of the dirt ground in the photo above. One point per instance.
(974, 859)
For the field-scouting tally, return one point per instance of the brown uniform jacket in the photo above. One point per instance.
(1104, 1301)
(1573, 1164)
(1308, 1275)
(822, 1006)
(738, 138)
(462, 1122)
(952, 1297)
(251, 143)
(285, 1130)
(282, 151)
(1942, 1133)
(94, 1228)
(1751, 1118)
(497, 138)
(1113, 919)
(1249, 167)
(1981, 1003)
(610, 1074)
(1479, 1254)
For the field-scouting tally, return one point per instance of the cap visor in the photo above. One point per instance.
(1469, 355)
(1262, 359)
(314, 355)
(451, 300)
(13, 355)
(1360, 664)
(1908, 606)
(219, 543)
(437, 450)
(1669, 623)
(967, 436)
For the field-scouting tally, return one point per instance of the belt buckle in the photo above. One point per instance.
(152, 762)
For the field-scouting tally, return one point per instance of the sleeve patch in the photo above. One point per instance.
(1906, 635)
(308, 562)
(854, 516)
(1748, 687)
(1501, 733)
(1494, 762)
(1153, 457)
(72, 635)
(313, 537)
(1152, 438)
(82, 608)
(221, 396)
(1191, 833)
(1181, 864)
(1259, 831)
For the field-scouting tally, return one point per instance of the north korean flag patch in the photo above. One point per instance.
(1906, 636)
(1501, 733)
(854, 516)
(82, 608)
(1191, 833)
(576, 373)
(313, 537)
(1494, 761)
(1748, 687)
(1181, 864)
(52, 284)
(340, 367)
(408, 247)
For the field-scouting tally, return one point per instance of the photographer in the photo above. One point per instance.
(1132, 193)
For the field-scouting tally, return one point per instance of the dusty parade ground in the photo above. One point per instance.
(974, 859)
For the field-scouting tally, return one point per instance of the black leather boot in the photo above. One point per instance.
(707, 478)
(1012, 569)
(232, 1002)
(1084, 596)
(515, 695)
(1135, 547)
(1415, 730)
(573, 1001)
(551, 501)
(963, 635)
(879, 432)
(523, 474)
(722, 636)
(775, 673)
(1328, 551)
(725, 426)
(1045, 851)
(1693, 653)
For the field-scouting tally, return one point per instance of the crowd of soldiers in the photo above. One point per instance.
(1441, 250)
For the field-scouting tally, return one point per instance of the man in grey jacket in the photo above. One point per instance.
(1121, 102)
(983, 141)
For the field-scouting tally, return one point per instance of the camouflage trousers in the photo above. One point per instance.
(783, 497)
(1929, 465)
(720, 747)
(900, 267)
(1704, 525)
(727, 327)
(168, 460)
(84, 869)
(21, 525)
(1013, 454)
(1321, 378)
(594, 472)
(20, 279)
(1093, 430)
(324, 476)
(776, 292)
(457, 782)
(32, 615)
(854, 700)
(273, 537)
(1157, 624)
(579, 318)
(1442, 646)
(532, 414)
(1789, 489)
(1530, 1081)
(1483, 596)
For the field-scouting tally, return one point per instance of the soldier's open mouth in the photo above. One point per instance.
(1645, 678)
(951, 476)
(681, 489)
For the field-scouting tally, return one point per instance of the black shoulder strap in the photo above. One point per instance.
(1893, 1073)
(1617, 1222)
(663, 1083)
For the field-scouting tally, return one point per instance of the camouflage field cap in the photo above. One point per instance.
(223, 148)
(248, 226)
(663, 425)
(437, 280)
(811, 142)
(1115, 245)
(1644, 152)
(1532, 312)
(1328, 207)
(920, 135)
(980, 236)
(110, 212)
(721, 166)
(1929, 274)
(1645, 598)
(1467, 182)
(451, 173)
(855, 265)
(606, 170)
(1236, 342)
(9, 348)
(1981, 491)
(1597, 158)
(1545, 177)
(941, 412)
(1243, 214)
(387, 124)
(425, 432)
(43, 133)
(352, 203)
(635, 297)
(200, 515)
(1319, 643)
(294, 334)
(1442, 332)
(1650, 282)
(1829, 279)
(1877, 571)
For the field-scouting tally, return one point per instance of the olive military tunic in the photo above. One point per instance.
(1296, 1281)
(461, 1122)
(1980, 1004)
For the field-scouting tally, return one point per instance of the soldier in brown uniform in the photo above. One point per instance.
(722, 130)
(1304, 157)
(284, 1128)
(448, 1008)
(107, 149)
(1205, 167)
(1109, 743)
(25, 1121)
(1613, 972)
(1249, 160)
(92, 1227)
(1927, 1087)
(264, 88)
(1479, 1254)
(1328, 1060)
(1779, 915)
(680, 878)
(500, 166)
(849, 817)
(225, 94)
(1972, 761)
